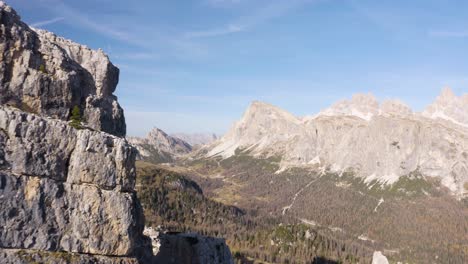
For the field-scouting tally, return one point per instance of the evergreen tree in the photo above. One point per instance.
(76, 117)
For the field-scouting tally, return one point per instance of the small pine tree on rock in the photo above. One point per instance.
(76, 117)
(42, 68)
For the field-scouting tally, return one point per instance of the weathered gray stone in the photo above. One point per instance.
(66, 195)
(43, 214)
(183, 248)
(43, 147)
(103, 160)
(49, 75)
(21, 256)
(34, 145)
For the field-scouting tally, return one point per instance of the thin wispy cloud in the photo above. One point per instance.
(130, 32)
(224, 1)
(219, 3)
(47, 22)
(260, 16)
(136, 56)
(82, 20)
(449, 34)
(229, 29)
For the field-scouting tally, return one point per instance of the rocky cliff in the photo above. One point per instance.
(66, 194)
(47, 75)
(65, 190)
(381, 143)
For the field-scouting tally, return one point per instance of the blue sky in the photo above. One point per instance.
(194, 66)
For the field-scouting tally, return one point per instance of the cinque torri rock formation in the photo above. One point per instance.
(159, 147)
(66, 194)
(379, 143)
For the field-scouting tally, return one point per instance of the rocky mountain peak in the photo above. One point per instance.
(7, 8)
(157, 134)
(158, 146)
(364, 106)
(384, 149)
(261, 124)
(160, 138)
(395, 107)
(257, 111)
(447, 94)
(96, 62)
(448, 106)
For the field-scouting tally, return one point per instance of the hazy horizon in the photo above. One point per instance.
(195, 67)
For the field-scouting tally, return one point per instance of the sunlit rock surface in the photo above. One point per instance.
(379, 143)
(49, 75)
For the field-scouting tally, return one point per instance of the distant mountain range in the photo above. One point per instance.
(160, 147)
(377, 175)
(380, 143)
(196, 139)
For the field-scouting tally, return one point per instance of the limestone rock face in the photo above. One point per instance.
(66, 195)
(188, 248)
(40, 147)
(159, 146)
(377, 143)
(48, 75)
(63, 189)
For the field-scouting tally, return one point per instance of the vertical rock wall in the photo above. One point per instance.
(66, 190)
(44, 74)
(66, 195)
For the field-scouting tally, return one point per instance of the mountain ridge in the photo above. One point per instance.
(378, 142)
(196, 139)
(159, 147)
